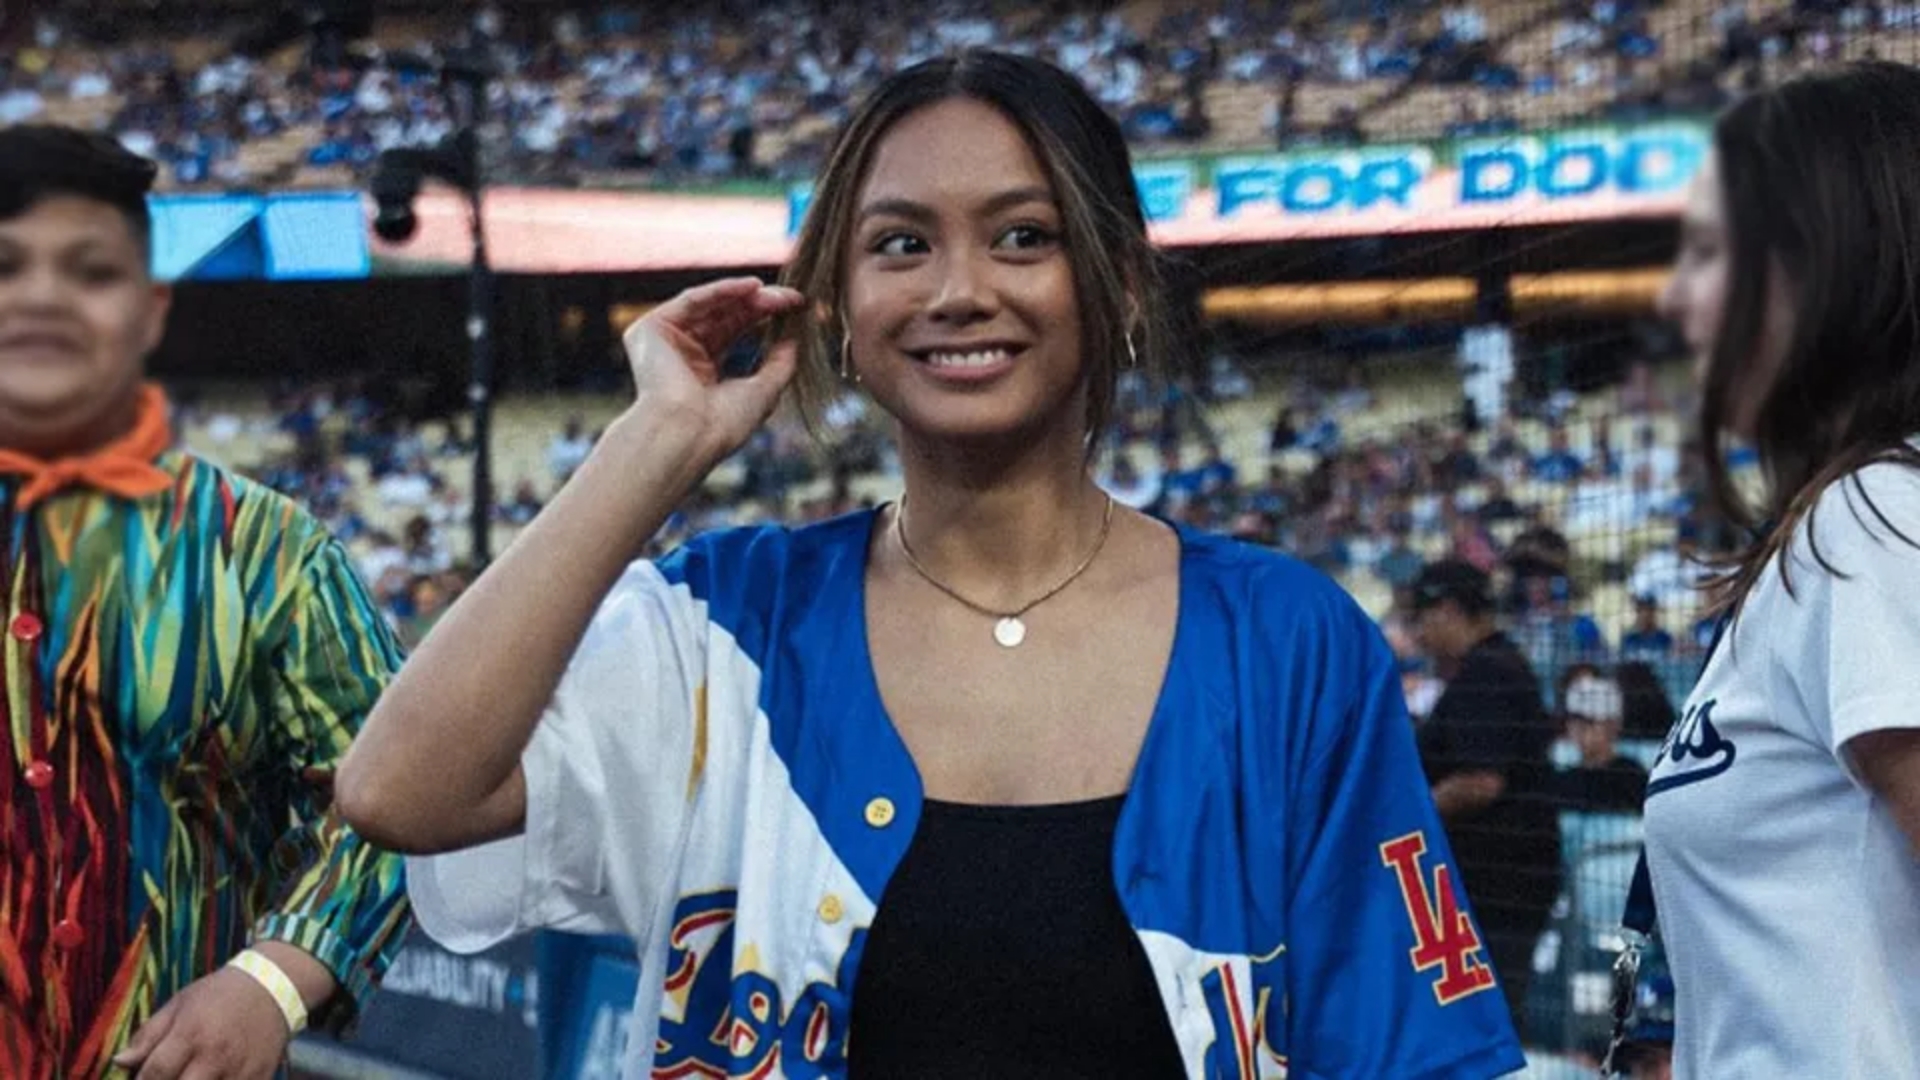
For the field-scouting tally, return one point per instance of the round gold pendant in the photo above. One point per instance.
(1009, 632)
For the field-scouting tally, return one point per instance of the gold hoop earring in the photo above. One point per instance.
(847, 373)
(1133, 357)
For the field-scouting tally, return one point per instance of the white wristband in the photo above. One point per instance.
(274, 980)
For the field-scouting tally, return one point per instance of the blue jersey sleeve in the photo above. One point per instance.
(1387, 973)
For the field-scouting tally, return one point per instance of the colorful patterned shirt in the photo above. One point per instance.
(181, 672)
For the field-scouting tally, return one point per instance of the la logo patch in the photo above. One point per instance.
(1443, 935)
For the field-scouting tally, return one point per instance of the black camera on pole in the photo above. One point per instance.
(458, 161)
(400, 173)
(332, 28)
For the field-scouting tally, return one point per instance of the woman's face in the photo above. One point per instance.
(959, 293)
(1695, 298)
(78, 315)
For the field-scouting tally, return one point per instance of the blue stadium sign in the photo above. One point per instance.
(1575, 174)
(1323, 183)
(291, 236)
(1606, 165)
(1640, 162)
(1549, 178)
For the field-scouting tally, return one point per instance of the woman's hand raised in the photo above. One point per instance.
(676, 352)
(468, 700)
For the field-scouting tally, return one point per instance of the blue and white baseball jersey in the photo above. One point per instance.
(716, 779)
(1788, 896)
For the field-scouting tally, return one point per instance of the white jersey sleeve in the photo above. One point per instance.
(1858, 654)
(608, 773)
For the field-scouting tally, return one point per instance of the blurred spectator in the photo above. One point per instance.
(1603, 781)
(1458, 466)
(1539, 550)
(1648, 640)
(1470, 542)
(1128, 487)
(1640, 394)
(429, 602)
(520, 509)
(1547, 628)
(449, 508)
(1216, 475)
(1418, 683)
(1226, 379)
(1671, 576)
(426, 553)
(1506, 452)
(1399, 565)
(1499, 506)
(1174, 481)
(1661, 463)
(568, 450)
(1285, 433)
(1486, 753)
(1602, 462)
(1559, 464)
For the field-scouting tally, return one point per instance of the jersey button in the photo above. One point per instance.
(880, 813)
(831, 909)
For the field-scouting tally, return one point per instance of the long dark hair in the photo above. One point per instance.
(1821, 181)
(1116, 272)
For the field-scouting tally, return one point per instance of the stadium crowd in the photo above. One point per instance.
(1612, 512)
(733, 90)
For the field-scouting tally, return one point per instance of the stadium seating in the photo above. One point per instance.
(1408, 394)
(1528, 40)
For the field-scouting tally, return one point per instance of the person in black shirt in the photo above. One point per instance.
(1486, 750)
(1499, 506)
(1605, 782)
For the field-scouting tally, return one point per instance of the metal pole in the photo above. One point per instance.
(480, 386)
(473, 79)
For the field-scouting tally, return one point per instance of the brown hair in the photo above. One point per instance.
(1818, 178)
(1081, 149)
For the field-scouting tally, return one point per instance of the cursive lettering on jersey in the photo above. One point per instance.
(1694, 751)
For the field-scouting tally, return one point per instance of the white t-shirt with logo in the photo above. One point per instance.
(1788, 896)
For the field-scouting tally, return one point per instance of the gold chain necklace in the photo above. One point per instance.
(1008, 628)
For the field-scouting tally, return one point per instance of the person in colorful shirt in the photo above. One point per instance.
(183, 654)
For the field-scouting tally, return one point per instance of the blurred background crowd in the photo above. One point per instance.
(724, 89)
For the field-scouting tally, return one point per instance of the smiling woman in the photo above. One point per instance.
(985, 180)
(1000, 780)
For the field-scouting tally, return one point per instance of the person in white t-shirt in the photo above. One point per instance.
(1783, 813)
